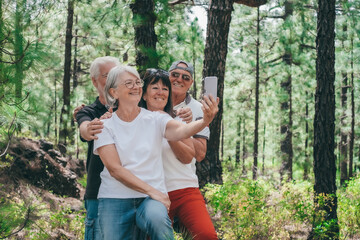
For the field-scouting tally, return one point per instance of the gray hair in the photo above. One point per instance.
(95, 65)
(113, 80)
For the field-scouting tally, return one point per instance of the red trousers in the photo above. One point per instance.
(188, 205)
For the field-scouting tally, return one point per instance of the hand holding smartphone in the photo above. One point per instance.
(210, 86)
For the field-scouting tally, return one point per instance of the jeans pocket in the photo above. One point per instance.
(89, 229)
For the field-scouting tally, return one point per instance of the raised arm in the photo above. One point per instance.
(176, 131)
(110, 158)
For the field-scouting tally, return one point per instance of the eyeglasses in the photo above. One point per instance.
(184, 76)
(130, 84)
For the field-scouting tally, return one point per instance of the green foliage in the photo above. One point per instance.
(12, 217)
(257, 210)
(349, 208)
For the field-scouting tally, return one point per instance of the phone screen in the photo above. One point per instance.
(210, 86)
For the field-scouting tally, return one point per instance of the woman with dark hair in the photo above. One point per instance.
(132, 193)
(158, 80)
(187, 203)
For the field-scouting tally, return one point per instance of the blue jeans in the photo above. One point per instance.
(92, 228)
(121, 219)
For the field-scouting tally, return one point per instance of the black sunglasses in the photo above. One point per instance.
(184, 76)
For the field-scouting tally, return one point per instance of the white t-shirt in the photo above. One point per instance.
(177, 174)
(138, 144)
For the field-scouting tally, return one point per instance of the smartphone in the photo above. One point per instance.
(210, 86)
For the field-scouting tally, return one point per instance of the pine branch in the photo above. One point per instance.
(26, 220)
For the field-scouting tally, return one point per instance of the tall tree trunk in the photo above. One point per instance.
(307, 158)
(352, 134)
(19, 49)
(237, 145)
(2, 43)
(222, 141)
(286, 109)
(65, 111)
(343, 133)
(76, 64)
(244, 155)
(107, 44)
(145, 37)
(219, 18)
(263, 150)
(324, 121)
(56, 127)
(256, 130)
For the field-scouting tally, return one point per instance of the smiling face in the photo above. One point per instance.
(181, 81)
(156, 96)
(123, 93)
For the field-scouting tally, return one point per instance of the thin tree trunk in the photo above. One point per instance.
(237, 146)
(2, 43)
(145, 37)
(244, 155)
(19, 49)
(219, 18)
(286, 110)
(222, 141)
(256, 130)
(75, 64)
(324, 121)
(107, 43)
(263, 150)
(343, 133)
(65, 111)
(307, 158)
(352, 134)
(55, 116)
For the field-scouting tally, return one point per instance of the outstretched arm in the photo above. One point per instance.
(111, 160)
(176, 131)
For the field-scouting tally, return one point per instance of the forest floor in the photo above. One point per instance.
(41, 198)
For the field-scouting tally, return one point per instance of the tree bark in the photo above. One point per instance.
(3, 81)
(343, 133)
(307, 159)
(263, 149)
(256, 130)
(244, 155)
(19, 49)
(324, 121)
(237, 146)
(145, 37)
(65, 111)
(219, 18)
(352, 134)
(286, 110)
(222, 140)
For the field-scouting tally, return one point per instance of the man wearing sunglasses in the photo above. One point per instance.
(187, 209)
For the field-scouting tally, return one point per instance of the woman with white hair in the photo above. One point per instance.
(132, 193)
